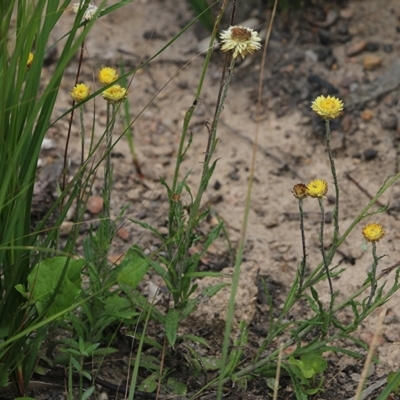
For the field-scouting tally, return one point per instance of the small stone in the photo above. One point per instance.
(116, 259)
(367, 115)
(347, 123)
(123, 234)
(66, 228)
(346, 13)
(324, 37)
(388, 48)
(331, 62)
(372, 46)
(311, 55)
(372, 61)
(392, 335)
(389, 121)
(94, 204)
(370, 154)
(48, 144)
(356, 48)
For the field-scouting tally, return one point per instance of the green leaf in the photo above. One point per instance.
(3, 375)
(171, 325)
(149, 385)
(178, 387)
(87, 393)
(24, 398)
(55, 274)
(315, 361)
(210, 291)
(211, 363)
(133, 268)
(196, 339)
(119, 307)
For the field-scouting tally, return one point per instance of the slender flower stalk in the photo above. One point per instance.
(300, 192)
(323, 253)
(373, 233)
(329, 108)
(335, 183)
(318, 189)
(108, 167)
(372, 274)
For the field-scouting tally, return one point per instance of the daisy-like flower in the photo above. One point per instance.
(241, 40)
(79, 92)
(107, 75)
(89, 13)
(115, 94)
(300, 191)
(328, 107)
(317, 188)
(373, 232)
(30, 60)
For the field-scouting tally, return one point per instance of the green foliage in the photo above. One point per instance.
(54, 284)
(304, 373)
(204, 12)
(393, 386)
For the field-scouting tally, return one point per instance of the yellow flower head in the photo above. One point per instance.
(115, 94)
(79, 92)
(300, 191)
(327, 107)
(30, 60)
(107, 75)
(241, 40)
(90, 12)
(373, 232)
(317, 188)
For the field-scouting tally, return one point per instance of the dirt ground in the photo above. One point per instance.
(348, 49)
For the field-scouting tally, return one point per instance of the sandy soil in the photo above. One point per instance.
(304, 58)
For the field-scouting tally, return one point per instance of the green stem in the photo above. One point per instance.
(303, 263)
(324, 258)
(389, 182)
(205, 176)
(372, 274)
(335, 182)
(108, 167)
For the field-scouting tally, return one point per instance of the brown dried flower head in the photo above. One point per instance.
(300, 191)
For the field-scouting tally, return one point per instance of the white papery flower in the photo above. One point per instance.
(89, 13)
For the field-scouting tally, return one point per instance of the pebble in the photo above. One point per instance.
(116, 259)
(48, 144)
(346, 13)
(94, 204)
(392, 335)
(324, 37)
(372, 61)
(347, 123)
(66, 228)
(356, 48)
(389, 121)
(311, 55)
(388, 48)
(367, 115)
(123, 234)
(331, 62)
(370, 154)
(372, 46)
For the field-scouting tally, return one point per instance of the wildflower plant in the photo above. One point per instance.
(42, 278)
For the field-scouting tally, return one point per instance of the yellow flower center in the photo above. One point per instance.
(373, 232)
(317, 188)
